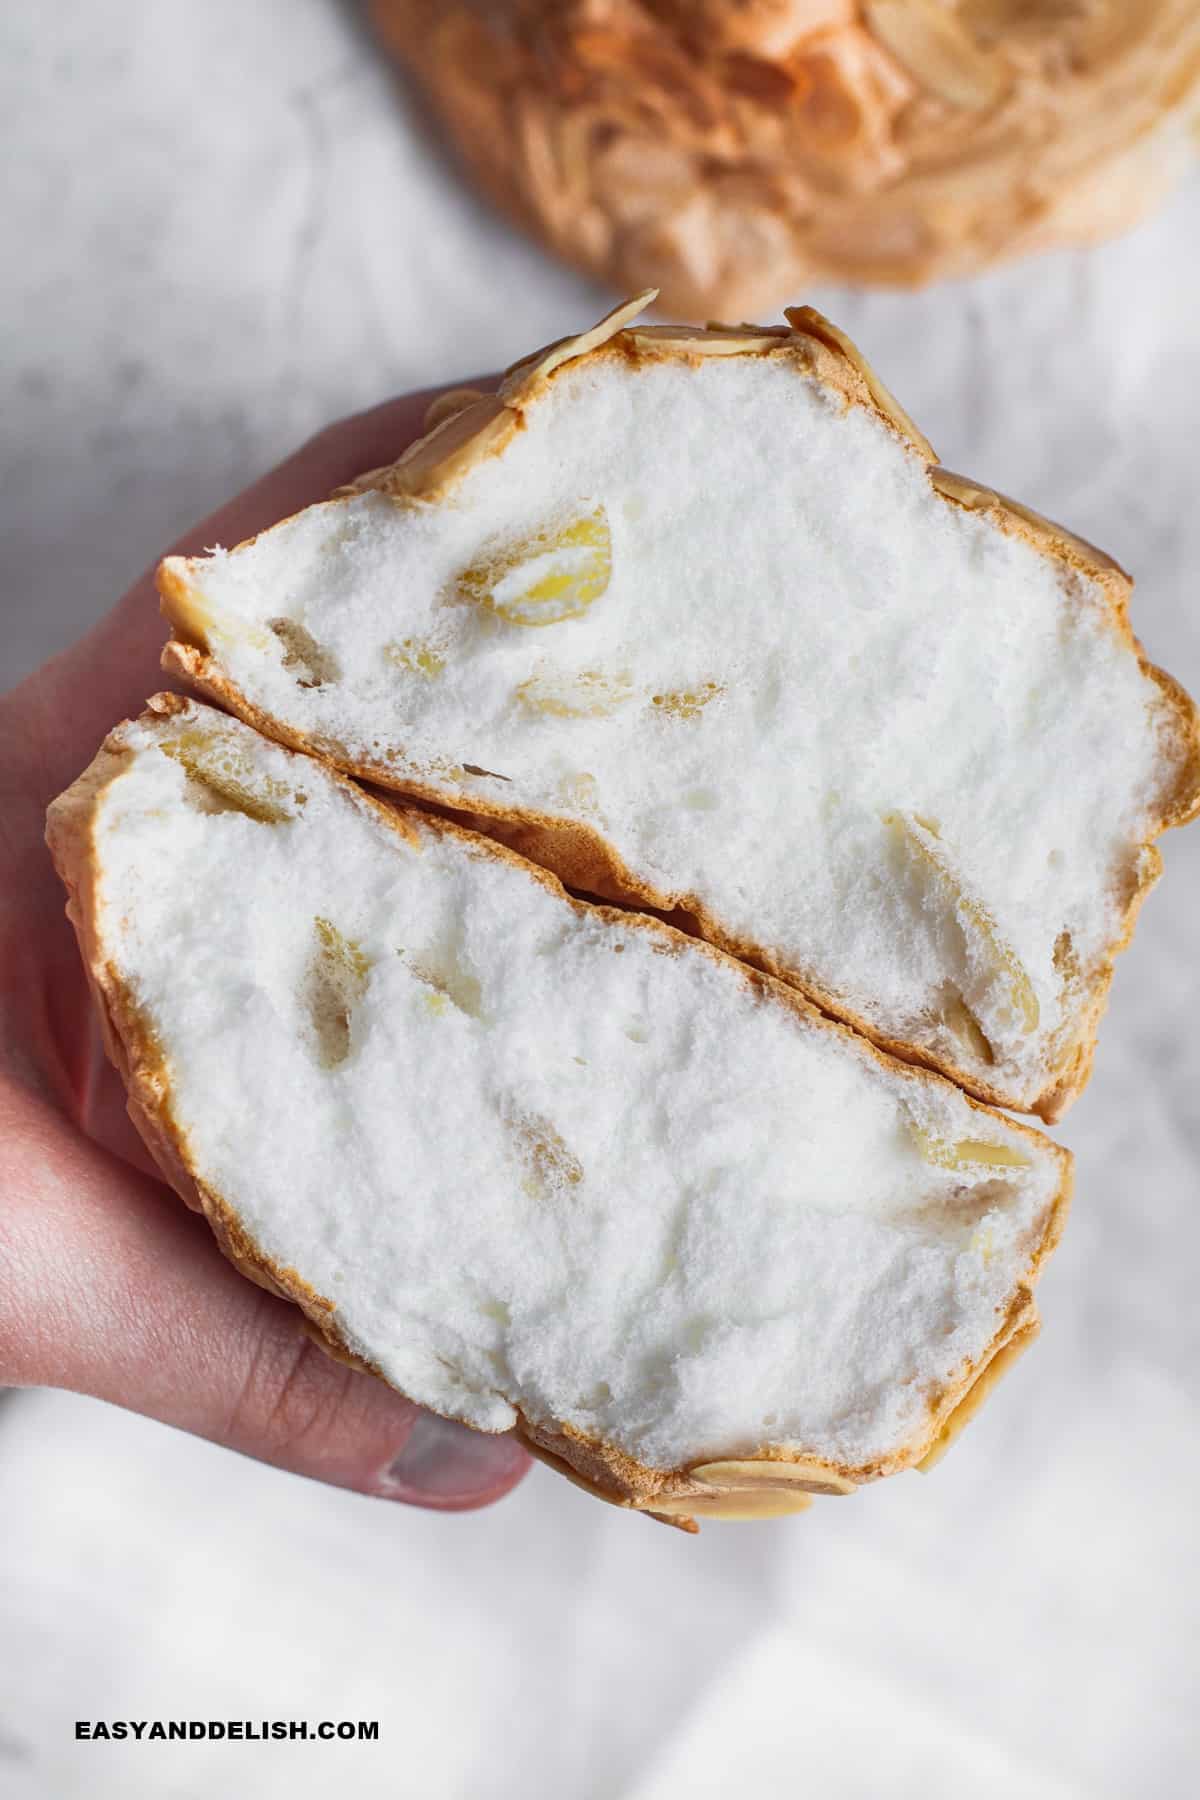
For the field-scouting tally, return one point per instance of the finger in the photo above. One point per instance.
(111, 1287)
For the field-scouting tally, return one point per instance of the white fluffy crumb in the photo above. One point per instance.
(799, 649)
(535, 1161)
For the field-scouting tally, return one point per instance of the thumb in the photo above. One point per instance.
(111, 1287)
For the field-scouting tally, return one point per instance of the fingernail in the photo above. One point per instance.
(446, 1464)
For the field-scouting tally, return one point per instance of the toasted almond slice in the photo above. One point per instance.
(711, 340)
(562, 1467)
(931, 44)
(761, 1503)
(810, 323)
(531, 371)
(975, 1395)
(437, 462)
(446, 406)
(803, 1476)
(744, 328)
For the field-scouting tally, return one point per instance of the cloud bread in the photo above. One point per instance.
(695, 619)
(732, 153)
(541, 1163)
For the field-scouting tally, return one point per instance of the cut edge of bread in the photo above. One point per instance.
(733, 1487)
(479, 426)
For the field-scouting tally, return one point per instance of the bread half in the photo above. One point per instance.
(695, 620)
(540, 1164)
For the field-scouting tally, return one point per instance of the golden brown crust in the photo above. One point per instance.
(1180, 798)
(577, 853)
(133, 1048)
(732, 154)
(810, 323)
(957, 1421)
(433, 467)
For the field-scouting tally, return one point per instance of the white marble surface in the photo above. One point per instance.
(225, 225)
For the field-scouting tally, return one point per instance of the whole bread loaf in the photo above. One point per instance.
(734, 152)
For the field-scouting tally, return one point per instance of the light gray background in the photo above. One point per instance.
(223, 225)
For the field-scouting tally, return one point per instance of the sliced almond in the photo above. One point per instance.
(967, 1153)
(975, 1395)
(928, 41)
(437, 462)
(710, 340)
(1052, 538)
(446, 406)
(804, 1475)
(762, 1503)
(562, 1467)
(744, 328)
(553, 574)
(810, 323)
(532, 370)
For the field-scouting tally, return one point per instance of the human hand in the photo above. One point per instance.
(108, 1284)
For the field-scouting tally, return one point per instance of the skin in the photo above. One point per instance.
(108, 1285)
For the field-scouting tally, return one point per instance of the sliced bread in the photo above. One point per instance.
(541, 1163)
(695, 620)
